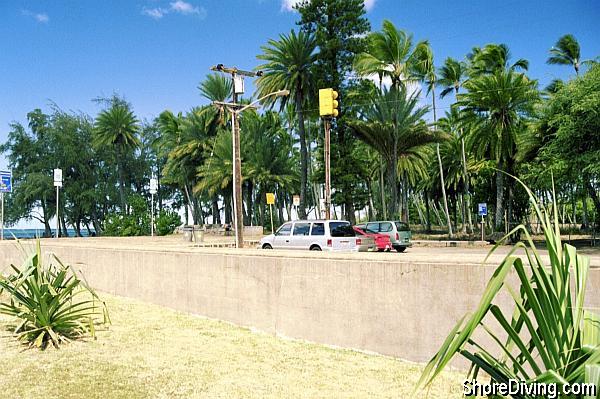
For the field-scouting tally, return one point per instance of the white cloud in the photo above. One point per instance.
(183, 7)
(178, 6)
(156, 13)
(288, 5)
(40, 17)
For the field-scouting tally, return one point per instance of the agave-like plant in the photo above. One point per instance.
(52, 303)
(551, 337)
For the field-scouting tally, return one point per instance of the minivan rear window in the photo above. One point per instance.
(385, 227)
(341, 229)
(401, 226)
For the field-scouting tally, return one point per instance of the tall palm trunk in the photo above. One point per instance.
(499, 198)
(392, 183)
(595, 199)
(441, 169)
(303, 154)
(466, 198)
(393, 173)
(121, 177)
(382, 191)
(216, 215)
(427, 211)
(584, 209)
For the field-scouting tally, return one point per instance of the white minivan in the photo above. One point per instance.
(317, 235)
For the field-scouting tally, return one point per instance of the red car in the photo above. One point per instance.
(382, 241)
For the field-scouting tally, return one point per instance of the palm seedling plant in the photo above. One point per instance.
(51, 302)
(550, 338)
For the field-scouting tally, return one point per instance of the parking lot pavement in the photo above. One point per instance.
(416, 254)
(476, 255)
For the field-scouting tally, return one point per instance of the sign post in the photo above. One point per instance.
(5, 187)
(271, 201)
(58, 182)
(153, 190)
(482, 210)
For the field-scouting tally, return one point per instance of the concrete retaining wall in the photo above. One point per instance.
(394, 308)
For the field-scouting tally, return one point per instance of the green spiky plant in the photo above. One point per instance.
(551, 337)
(51, 302)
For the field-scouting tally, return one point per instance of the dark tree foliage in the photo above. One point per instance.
(339, 27)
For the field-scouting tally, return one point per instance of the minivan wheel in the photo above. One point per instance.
(315, 248)
(267, 246)
(400, 249)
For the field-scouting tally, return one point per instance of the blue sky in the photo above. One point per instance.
(155, 52)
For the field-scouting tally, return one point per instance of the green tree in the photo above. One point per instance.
(28, 158)
(569, 127)
(390, 54)
(194, 133)
(496, 106)
(393, 125)
(117, 128)
(424, 69)
(288, 65)
(339, 27)
(270, 156)
(566, 52)
(216, 87)
(492, 58)
(451, 77)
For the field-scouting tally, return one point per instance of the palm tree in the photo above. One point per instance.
(566, 52)
(214, 173)
(390, 54)
(117, 128)
(424, 69)
(288, 65)
(452, 75)
(216, 87)
(270, 157)
(495, 105)
(195, 133)
(492, 58)
(393, 125)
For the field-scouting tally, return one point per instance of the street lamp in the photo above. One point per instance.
(235, 110)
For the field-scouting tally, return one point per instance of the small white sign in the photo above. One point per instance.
(238, 85)
(58, 177)
(296, 200)
(153, 186)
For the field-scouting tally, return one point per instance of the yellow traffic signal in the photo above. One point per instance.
(328, 104)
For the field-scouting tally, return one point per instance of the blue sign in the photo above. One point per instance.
(5, 182)
(482, 209)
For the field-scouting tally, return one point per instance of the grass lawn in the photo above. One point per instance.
(154, 352)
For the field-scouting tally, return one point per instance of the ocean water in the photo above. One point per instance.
(10, 234)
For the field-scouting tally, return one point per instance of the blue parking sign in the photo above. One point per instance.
(5, 182)
(482, 209)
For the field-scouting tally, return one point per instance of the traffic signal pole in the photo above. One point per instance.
(328, 109)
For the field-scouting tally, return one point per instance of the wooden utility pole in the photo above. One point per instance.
(237, 77)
